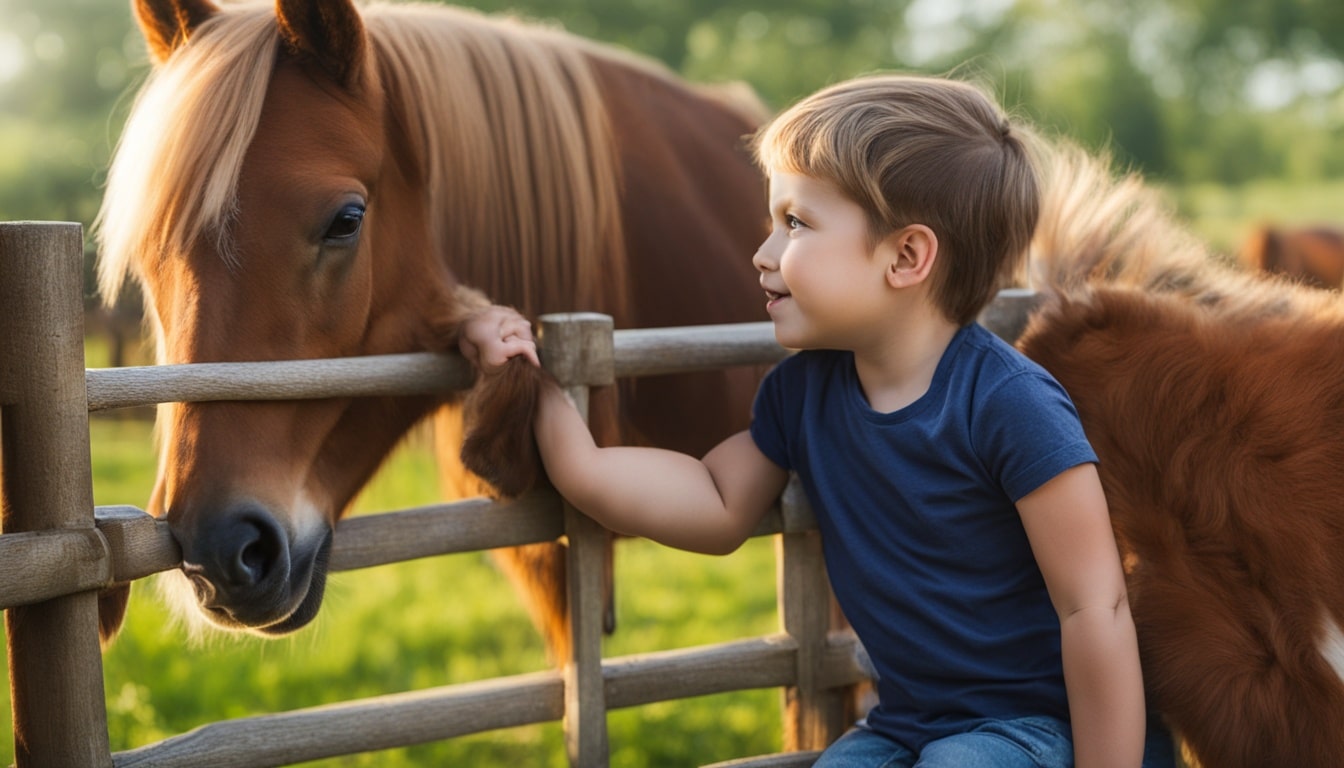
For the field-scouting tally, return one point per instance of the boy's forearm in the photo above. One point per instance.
(663, 495)
(1105, 687)
(565, 443)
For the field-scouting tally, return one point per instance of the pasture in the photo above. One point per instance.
(1224, 216)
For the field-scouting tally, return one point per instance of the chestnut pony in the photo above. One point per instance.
(1314, 255)
(316, 180)
(1215, 400)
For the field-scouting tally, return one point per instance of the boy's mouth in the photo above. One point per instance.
(773, 297)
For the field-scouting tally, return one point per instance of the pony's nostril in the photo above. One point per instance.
(254, 560)
(252, 551)
(256, 557)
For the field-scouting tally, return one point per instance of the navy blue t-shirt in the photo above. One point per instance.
(922, 539)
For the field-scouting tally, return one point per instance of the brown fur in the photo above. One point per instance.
(112, 603)
(168, 27)
(504, 457)
(1216, 407)
(1312, 255)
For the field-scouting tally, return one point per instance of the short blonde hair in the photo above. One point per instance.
(922, 150)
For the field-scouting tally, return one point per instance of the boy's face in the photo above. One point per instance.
(824, 288)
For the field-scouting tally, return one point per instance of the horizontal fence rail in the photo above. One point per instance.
(638, 352)
(129, 544)
(432, 714)
(373, 375)
(44, 566)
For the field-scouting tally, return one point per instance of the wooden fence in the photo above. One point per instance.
(57, 550)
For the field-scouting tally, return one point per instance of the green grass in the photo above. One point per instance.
(1224, 216)
(431, 622)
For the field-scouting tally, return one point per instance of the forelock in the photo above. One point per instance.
(174, 175)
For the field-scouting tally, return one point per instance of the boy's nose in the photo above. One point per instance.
(763, 259)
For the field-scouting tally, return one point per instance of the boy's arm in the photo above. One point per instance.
(1070, 531)
(708, 505)
(705, 505)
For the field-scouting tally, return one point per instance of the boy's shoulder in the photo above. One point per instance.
(993, 356)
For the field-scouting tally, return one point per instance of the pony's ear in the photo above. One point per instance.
(168, 24)
(329, 32)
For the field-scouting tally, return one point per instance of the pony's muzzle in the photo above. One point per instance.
(239, 564)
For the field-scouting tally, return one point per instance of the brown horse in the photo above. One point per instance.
(315, 181)
(1215, 400)
(1312, 255)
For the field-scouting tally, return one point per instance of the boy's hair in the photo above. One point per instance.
(921, 150)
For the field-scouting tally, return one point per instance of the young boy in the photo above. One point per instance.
(963, 523)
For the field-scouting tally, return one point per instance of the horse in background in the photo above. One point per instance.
(1313, 255)
(1215, 400)
(315, 180)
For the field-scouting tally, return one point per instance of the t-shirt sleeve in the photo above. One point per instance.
(1029, 432)
(767, 418)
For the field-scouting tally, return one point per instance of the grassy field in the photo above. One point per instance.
(431, 622)
(1224, 216)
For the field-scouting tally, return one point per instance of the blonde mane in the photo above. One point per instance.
(191, 123)
(1099, 229)
(505, 119)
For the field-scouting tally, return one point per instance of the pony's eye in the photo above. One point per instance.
(346, 224)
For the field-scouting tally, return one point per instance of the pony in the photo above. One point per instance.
(1313, 255)
(321, 180)
(1215, 401)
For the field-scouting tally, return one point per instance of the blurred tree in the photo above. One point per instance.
(784, 48)
(1071, 69)
(63, 67)
(1186, 89)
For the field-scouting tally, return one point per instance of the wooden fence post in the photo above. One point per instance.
(578, 349)
(55, 666)
(814, 715)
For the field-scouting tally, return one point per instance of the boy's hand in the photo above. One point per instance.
(490, 337)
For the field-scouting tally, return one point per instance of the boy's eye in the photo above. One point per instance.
(793, 222)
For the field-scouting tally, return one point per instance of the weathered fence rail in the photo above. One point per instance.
(57, 550)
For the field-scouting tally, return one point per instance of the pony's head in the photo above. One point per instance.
(272, 207)
(311, 180)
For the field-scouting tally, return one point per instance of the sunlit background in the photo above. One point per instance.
(1236, 109)
(1189, 91)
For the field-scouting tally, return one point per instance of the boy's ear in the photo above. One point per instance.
(910, 253)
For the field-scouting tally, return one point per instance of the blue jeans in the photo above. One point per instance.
(1028, 742)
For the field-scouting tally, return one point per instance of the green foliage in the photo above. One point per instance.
(64, 67)
(430, 622)
(1178, 88)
